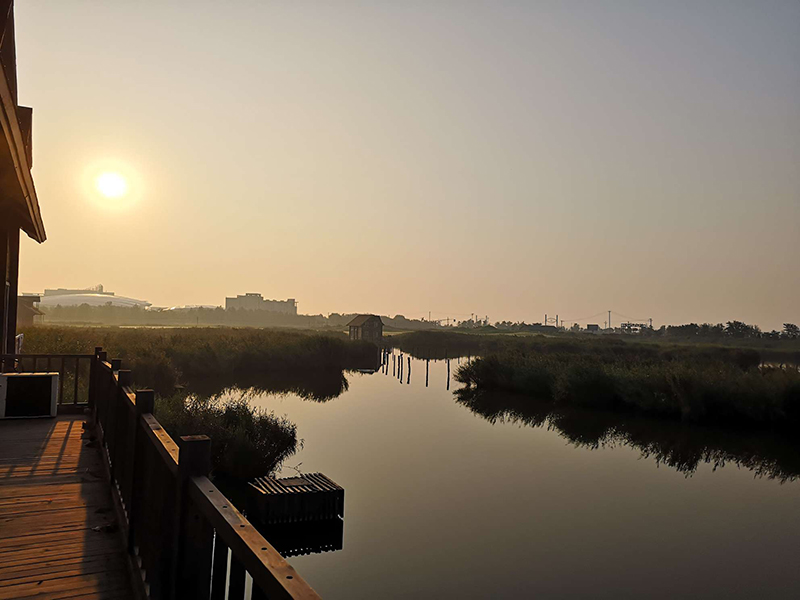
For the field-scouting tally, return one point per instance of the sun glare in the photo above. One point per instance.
(111, 185)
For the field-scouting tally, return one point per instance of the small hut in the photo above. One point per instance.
(366, 327)
(27, 312)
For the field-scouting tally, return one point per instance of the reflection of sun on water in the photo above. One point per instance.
(111, 185)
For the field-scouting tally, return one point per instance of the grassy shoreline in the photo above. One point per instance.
(245, 441)
(450, 344)
(164, 358)
(693, 388)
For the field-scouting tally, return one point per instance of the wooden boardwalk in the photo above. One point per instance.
(58, 532)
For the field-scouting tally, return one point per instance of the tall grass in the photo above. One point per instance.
(433, 344)
(688, 388)
(164, 358)
(245, 442)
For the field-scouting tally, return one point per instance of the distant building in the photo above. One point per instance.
(94, 296)
(593, 328)
(27, 312)
(632, 327)
(190, 307)
(97, 289)
(366, 327)
(257, 302)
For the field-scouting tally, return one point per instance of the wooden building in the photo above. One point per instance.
(19, 206)
(366, 327)
(27, 313)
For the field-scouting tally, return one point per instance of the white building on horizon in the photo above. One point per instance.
(252, 301)
(94, 296)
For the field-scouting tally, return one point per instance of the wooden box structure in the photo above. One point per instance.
(308, 497)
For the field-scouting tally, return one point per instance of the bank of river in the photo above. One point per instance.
(445, 500)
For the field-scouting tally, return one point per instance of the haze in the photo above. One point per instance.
(509, 159)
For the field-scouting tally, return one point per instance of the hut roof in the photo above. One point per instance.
(359, 320)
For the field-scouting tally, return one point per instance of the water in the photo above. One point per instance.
(448, 498)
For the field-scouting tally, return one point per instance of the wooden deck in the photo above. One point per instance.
(58, 532)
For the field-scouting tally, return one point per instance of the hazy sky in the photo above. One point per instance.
(505, 158)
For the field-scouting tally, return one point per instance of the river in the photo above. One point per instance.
(445, 498)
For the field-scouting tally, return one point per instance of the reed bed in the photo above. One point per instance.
(437, 344)
(693, 388)
(246, 442)
(164, 358)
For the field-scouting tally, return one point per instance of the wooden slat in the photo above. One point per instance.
(219, 572)
(58, 536)
(36, 572)
(236, 581)
(21, 356)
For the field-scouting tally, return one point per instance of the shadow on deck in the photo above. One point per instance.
(59, 537)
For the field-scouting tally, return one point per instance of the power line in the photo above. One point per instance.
(583, 319)
(630, 318)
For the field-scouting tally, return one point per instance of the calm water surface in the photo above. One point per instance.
(442, 503)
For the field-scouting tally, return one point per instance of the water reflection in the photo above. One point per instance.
(297, 539)
(443, 504)
(680, 446)
(401, 366)
(319, 385)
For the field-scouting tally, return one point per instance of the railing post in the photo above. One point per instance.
(145, 404)
(101, 395)
(194, 537)
(124, 377)
(93, 371)
(112, 432)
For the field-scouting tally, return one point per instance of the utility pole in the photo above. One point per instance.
(556, 321)
(609, 319)
(651, 323)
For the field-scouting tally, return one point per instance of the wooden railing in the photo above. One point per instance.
(74, 373)
(184, 537)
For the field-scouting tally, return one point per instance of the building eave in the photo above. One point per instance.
(15, 155)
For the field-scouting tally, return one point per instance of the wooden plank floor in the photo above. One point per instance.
(58, 533)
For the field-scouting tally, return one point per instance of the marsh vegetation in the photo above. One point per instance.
(190, 369)
(164, 358)
(723, 388)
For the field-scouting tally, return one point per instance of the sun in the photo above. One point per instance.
(111, 185)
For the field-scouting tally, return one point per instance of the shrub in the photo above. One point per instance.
(245, 442)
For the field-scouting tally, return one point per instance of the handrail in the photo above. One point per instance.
(180, 530)
(269, 570)
(168, 449)
(74, 382)
(19, 356)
